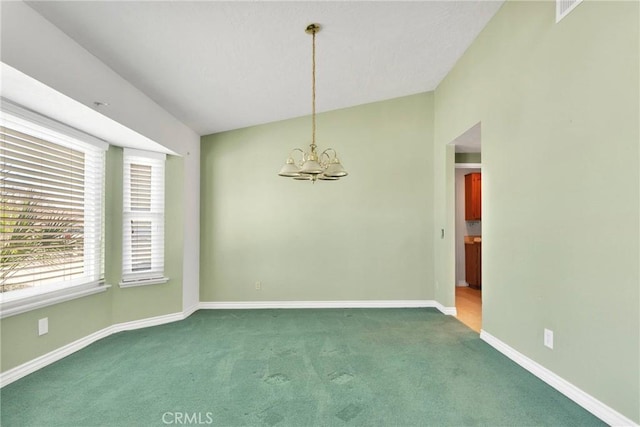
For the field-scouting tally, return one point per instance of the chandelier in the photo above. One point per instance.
(311, 166)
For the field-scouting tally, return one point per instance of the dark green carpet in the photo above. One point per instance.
(331, 367)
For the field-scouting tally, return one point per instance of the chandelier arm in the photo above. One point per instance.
(324, 153)
(335, 154)
(297, 149)
(302, 155)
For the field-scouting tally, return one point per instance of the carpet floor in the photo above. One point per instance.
(329, 367)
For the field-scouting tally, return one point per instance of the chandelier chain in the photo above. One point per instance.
(313, 92)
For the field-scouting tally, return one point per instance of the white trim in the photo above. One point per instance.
(467, 165)
(22, 305)
(189, 311)
(143, 153)
(588, 402)
(462, 284)
(242, 305)
(27, 368)
(150, 321)
(143, 282)
(449, 311)
(28, 119)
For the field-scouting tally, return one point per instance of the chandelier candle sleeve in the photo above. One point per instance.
(310, 166)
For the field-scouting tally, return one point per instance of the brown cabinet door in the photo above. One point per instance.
(468, 197)
(473, 264)
(473, 197)
(479, 266)
(477, 196)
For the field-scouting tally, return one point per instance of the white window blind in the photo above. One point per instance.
(51, 206)
(143, 219)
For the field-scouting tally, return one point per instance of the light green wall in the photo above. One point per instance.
(560, 231)
(368, 236)
(468, 158)
(68, 322)
(76, 319)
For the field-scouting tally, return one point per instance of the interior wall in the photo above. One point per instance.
(368, 236)
(68, 322)
(72, 320)
(468, 158)
(560, 231)
(189, 192)
(463, 228)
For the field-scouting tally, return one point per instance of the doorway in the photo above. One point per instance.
(468, 229)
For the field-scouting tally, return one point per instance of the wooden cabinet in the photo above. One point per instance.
(473, 264)
(473, 197)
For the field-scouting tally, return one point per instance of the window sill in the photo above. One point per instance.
(22, 305)
(143, 282)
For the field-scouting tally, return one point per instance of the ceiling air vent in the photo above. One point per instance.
(564, 7)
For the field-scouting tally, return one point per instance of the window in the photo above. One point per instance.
(51, 208)
(143, 219)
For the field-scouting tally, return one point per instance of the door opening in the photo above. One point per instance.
(468, 228)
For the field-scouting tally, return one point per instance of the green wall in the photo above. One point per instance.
(468, 158)
(560, 230)
(78, 318)
(368, 236)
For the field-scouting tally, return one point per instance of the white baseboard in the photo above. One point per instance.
(145, 323)
(588, 402)
(462, 283)
(222, 305)
(189, 311)
(25, 369)
(449, 311)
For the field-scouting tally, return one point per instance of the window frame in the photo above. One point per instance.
(20, 119)
(155, 215)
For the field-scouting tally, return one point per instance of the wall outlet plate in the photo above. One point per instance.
(548, 338)
(43, 326)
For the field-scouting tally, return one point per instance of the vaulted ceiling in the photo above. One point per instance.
(219, 66)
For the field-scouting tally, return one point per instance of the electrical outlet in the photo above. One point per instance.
(258, 286)
(43, 326)
(548, 338)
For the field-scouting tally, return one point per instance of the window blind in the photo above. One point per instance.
(143, 218)
(50, 209)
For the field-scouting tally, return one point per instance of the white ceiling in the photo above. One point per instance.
(469, 141)
(219, 66)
